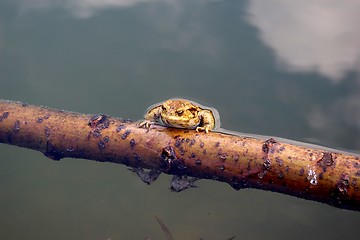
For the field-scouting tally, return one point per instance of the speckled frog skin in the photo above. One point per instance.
(181, 113)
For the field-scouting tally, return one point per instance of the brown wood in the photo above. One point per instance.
(311, 173)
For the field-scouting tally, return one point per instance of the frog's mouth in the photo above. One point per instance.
(175, 121)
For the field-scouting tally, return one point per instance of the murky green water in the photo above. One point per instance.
(269, 67)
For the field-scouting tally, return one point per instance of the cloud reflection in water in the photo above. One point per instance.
(80, 8)
(319, 36)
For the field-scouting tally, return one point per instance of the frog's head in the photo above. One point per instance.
(180, 113)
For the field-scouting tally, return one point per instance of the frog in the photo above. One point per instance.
(182, 113)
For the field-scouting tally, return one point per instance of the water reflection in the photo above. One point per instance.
(307, 36)
(310, 36)
(80, 8)
(118, 57)
(317, 36)
(338, 120)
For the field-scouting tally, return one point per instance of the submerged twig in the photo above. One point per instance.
(168, 233)
(164, 228)
(308, 172)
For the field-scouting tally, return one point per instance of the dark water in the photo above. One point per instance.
(269, 67)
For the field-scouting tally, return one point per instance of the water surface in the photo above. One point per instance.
(269, 67)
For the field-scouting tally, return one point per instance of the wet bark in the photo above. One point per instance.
(311, 173)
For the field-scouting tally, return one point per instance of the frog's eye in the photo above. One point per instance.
(180, 112)
(193, 110)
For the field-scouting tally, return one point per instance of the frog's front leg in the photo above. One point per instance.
(207, 121)
(152, 116)
(147, 177)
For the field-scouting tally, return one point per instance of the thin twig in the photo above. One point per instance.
(164, 228)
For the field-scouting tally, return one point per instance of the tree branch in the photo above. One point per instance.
(311, 173)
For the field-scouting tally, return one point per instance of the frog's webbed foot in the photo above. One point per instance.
(146, 176)
(207, 121)
(145, 124)
(206, 129)
(180, 183)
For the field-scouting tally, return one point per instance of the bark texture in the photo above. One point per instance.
(310, 173)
